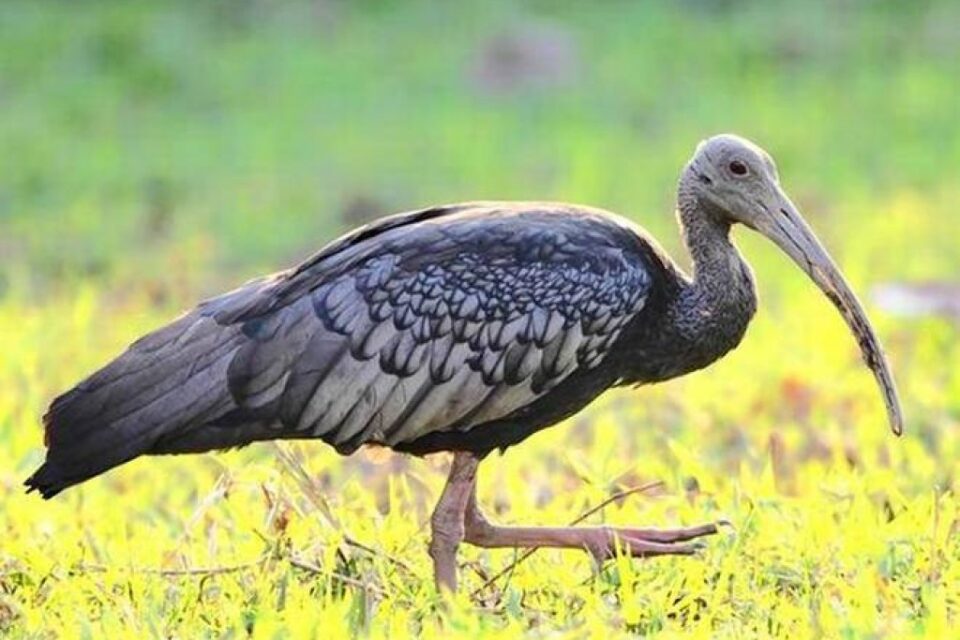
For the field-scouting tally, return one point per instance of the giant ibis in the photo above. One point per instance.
(462, 328)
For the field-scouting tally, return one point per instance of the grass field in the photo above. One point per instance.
(156, 153)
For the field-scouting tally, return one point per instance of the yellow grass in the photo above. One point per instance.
(152, 153)
(841, 530)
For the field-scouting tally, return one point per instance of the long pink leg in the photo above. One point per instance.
(457, 518)
(601, 542)
(446, 523)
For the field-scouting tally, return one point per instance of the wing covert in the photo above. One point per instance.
(443, 327)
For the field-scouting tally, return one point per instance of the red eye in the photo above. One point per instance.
(738, 168)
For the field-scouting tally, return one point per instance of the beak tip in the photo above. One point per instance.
(896, 423)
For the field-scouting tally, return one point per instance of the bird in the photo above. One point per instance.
(461, 328)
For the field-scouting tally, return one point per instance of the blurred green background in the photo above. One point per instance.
(240, 135)
(154, 153)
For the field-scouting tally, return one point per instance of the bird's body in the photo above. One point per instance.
(460, 328)
(463, 327)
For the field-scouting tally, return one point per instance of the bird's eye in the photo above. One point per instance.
(738, 168)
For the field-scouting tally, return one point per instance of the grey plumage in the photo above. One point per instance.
(436, 320)
(466, 327)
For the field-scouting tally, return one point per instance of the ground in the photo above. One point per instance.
(157, 153)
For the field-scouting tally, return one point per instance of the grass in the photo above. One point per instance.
(156, 153)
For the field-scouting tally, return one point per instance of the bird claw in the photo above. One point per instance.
(643, 543)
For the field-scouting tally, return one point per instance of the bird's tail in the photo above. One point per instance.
(167, 382)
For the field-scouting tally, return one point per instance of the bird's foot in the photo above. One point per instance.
(603, 543)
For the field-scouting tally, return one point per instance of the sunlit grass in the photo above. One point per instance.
(839, 528)
(154, 154)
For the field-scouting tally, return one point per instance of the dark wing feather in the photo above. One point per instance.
(204, 368)
(453, 325)
(437, 320)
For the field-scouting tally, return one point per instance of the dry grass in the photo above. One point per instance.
(156, 152)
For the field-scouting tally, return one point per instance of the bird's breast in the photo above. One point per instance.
(686, 334)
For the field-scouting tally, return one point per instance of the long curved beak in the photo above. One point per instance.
(783, 224)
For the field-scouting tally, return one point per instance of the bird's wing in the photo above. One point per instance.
(433, 320)
(445, 326)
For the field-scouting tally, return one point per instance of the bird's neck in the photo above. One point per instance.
(716, 261)
(717, 303)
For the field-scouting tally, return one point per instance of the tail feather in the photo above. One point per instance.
(48, 481)
(168, 382)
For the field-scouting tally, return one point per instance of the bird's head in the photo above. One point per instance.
(734, 179)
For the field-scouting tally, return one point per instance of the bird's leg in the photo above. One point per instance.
(601, 542)
(447, 526)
